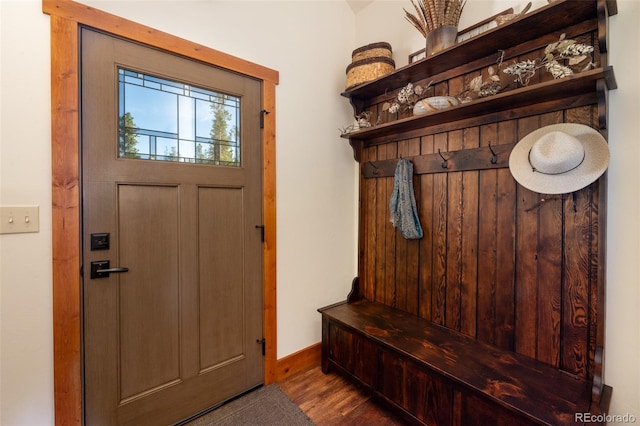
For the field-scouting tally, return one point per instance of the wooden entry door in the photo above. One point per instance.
(176, 326)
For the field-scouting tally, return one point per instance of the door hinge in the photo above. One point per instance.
(262, 114)
(263, 342)
(261, 228)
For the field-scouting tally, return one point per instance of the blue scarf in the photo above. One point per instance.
(404, 214)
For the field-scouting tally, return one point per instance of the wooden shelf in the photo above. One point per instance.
(583, 84)
(547, 19)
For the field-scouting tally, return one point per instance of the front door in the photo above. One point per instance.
(172, 251)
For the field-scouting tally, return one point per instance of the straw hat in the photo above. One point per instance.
(559, 159)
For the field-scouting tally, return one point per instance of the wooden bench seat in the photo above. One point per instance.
(435, 375)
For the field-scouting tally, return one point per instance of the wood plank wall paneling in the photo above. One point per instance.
(469, 243)
(496, 262)
(369, 190)
(425, 213)
(517, 270)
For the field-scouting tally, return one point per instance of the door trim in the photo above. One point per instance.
(66, 17)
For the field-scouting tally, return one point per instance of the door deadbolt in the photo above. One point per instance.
(101, 269)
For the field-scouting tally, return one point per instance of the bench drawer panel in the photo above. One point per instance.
(478, 411)
(429, 397)
(354, 353)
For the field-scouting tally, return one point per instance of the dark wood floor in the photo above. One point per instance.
(332, 400)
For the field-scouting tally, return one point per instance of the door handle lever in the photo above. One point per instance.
(111, 270)
(101, 269)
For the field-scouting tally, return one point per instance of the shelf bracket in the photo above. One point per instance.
(357, 145)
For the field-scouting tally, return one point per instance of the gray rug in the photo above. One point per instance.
(265, 406)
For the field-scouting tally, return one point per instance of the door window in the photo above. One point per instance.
(166, 120)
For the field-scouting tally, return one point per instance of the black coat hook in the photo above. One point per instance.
(375, 168)
(494, 156)
(445, 164)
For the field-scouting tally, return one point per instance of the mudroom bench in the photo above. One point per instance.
(410, 363)
(496, 315)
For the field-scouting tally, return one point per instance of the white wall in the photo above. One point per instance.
(309, 43)
(26, 357)
(622, 366)
(383, 20)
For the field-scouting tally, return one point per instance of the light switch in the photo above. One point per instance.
(19, 219)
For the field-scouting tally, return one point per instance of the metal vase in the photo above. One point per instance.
(441, 38)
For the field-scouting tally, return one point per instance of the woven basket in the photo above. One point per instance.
(373, 50)
(368, 69)
(369, 62)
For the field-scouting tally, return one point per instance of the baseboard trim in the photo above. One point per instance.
(298, 362)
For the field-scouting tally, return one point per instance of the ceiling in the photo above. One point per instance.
(358, 5)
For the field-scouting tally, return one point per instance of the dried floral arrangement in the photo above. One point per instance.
(481, 87)
(488, 87)
(361, 122)
(406, 98)
(432, 14)
(555, 55)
